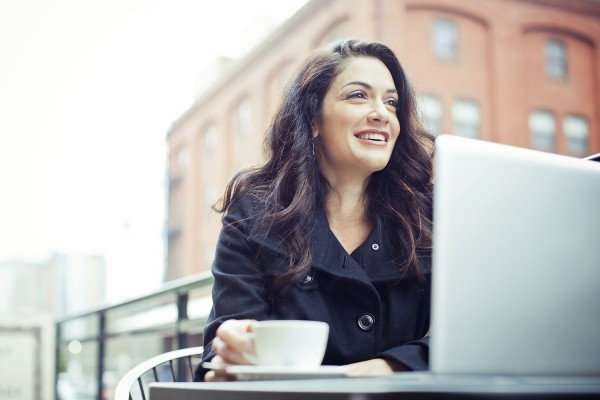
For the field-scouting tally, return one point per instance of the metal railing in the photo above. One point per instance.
(93, 346)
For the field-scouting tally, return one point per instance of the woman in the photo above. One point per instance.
(336, 225)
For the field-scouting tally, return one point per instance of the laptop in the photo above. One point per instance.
(516, 261)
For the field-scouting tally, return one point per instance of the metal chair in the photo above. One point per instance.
(183, 359)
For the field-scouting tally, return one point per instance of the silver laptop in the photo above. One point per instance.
(516, 261)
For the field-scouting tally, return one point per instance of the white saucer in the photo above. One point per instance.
(267, 372)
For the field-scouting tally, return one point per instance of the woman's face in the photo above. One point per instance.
(358, 126)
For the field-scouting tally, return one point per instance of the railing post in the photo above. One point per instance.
(101, 352)
(58, 341)
(182, 339)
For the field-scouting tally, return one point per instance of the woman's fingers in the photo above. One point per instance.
(233, 341)
(218, 376)
(227, 353)
(236, 334)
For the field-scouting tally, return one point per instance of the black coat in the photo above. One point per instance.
(371, 313)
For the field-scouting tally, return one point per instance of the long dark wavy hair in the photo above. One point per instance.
(291, 187)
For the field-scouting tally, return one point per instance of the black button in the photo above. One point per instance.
(308, 282)
(366, 321)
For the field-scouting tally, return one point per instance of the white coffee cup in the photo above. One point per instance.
(289, 343)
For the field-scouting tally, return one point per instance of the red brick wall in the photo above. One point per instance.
(500, 65)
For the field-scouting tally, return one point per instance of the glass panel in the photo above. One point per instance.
(80, 328)
(430, 109)
(244, 118)
(556, 59)
(445, 39)
(183, 158)
(211, 194)
(148, 314)
(211, 140)
(577, 131)
(200, 302)
(125, 352)
(467, 118)
(542, 126)
(77, 371)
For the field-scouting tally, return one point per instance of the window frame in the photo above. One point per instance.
(462, 121)
(535, 134)
(445, 39)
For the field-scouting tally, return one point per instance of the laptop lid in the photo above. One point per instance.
(593, 157)
(516, 261)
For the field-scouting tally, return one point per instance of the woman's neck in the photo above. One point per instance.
(346, 210)
(346, 202)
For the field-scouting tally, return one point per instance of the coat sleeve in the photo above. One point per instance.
(413, 355)
(239, 285)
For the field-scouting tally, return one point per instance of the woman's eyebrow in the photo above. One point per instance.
(367, 86)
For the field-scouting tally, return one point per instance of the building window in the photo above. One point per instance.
(542, 126)
(556, 59)
(211, 140)
(209, 256)
(244, 118)
(577, 131)
(183, 158)
(430, 108)
(467, 118)
(211, 196)
(445, 39)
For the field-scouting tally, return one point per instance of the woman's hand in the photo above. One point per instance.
(218, 375)
(375, 367)
(231, 343)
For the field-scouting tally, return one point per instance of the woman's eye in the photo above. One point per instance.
(357, 95)
(392, 102)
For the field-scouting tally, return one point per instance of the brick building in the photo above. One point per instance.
(520, 72)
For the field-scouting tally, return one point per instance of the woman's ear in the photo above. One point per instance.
(315, 129)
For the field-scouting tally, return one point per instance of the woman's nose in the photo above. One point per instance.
(379, 113)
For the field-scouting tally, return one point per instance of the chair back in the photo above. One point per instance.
(178, 362)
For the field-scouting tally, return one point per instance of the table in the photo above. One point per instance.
(414, 386)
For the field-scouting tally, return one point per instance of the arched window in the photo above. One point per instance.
(556, 59)
(445, 39)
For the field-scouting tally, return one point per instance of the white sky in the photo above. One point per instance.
(88, 91)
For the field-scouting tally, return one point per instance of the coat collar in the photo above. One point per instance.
(374, 261)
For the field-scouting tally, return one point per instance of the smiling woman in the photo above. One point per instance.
(336, 225)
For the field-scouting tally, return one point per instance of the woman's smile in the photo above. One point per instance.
(374, 137)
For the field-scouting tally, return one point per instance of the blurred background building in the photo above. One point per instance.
(519, 72)
(56, 285)
(33, 295)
